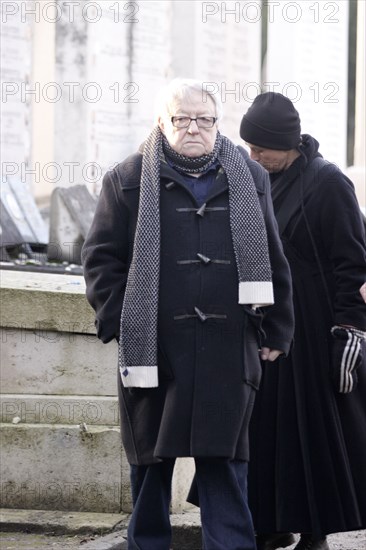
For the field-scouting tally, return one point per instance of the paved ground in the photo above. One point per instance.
(29, 541)
(37, 529)
(355, 540)
(33, 529)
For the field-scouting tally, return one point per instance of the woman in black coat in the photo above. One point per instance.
(308, 431)
(182, 250)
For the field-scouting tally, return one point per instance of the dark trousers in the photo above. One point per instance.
(222, 490)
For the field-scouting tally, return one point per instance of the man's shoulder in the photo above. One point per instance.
(326, 176)
(128, 172)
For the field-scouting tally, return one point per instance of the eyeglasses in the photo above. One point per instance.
(201, 121)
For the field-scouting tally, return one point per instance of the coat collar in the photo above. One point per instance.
(219, 186)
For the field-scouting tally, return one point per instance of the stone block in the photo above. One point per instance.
(71, 213)
(57, 521)
(181, 482)
(183, 474)
(24, 223)
(58, 409)
(61, 445)
(48, 362)
(45, 301)
(60, 467)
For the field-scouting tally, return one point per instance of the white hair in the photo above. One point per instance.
(181, 88)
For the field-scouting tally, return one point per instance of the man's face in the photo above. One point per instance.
(271, 159)
(192, 141)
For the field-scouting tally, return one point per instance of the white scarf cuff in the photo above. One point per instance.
(259, 293)
(140, 377)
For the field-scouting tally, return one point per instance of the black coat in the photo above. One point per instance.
(208, 370)
(308, 443)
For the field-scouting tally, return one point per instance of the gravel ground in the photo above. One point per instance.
(354, 540)
(31, 541)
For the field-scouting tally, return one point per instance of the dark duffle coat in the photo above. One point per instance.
(208, 362)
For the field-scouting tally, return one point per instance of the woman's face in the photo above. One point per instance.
(272, 159)
(191, 141)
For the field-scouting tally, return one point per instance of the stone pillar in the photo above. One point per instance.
(220, 43)
(357, 172)
(149, 66)
(106, 132)
(45, 80)
(116, 54)
(98, 66)
(70, 132)
(15, 102)
(307, 58)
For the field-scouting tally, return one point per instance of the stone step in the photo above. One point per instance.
(56, 521)
(61, 446)
(63, 467)
(45, 301)
(73, 467)
(111, 529)
(47, 362)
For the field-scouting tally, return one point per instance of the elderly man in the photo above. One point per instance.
(182, 262)
(308, 439)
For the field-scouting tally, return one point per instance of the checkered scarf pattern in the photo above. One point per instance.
(191, 165)
(139, 318)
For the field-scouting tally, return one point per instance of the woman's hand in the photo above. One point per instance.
(268, 354)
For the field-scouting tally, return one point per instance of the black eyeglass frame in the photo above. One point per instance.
(213, 118)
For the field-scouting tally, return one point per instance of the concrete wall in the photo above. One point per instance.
(60, 436)
(81, 79)
(357, 172)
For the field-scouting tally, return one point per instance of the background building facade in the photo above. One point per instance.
(79, 78)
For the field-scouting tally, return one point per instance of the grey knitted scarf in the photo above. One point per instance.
(139, 318)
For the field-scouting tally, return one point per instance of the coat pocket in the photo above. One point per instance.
(253, 334)
(165, 371)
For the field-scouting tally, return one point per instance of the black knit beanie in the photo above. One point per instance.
(271, 122)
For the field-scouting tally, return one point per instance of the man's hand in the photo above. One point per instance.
(268, 354)
(363, 292)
